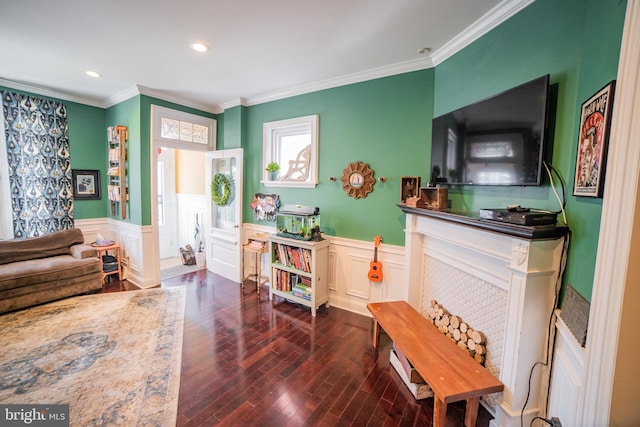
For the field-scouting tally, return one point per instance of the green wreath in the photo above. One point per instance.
(220, 198)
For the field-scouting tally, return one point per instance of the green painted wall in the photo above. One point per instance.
(551, 37)
(598, 66)
(385, 123)
(127, 113)
(86, 132)
(234, 130)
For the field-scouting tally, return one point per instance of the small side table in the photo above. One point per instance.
(104, 250)
(256, 247)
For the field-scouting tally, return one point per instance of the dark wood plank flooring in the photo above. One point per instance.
(248, 361)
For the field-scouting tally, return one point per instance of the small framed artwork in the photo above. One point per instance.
(409, 187)
(86, 184)
(593, 142)
(265, 206)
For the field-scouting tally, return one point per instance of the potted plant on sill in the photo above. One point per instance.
(273, 169)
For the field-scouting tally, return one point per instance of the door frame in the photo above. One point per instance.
(155, 142)
(170, 204)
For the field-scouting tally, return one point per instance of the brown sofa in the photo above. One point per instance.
(46, 268)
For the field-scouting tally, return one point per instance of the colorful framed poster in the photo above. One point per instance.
(593, 142)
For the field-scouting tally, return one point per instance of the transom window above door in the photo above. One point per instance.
(184, 131)
(176, 128)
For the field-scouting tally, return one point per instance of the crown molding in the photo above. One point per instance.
(375, 73)
(234, 103)
(490, 20)
(44, 91)
(110, 101)
(120, 97)
(158, 94)
(215, 109)
(482, 26)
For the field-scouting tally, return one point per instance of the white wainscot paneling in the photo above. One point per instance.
(349, 285)
(191, 208)
(566, 376)
(349, 263)
(92, 227)
(393, 276)
(139, 254)
(357, 267)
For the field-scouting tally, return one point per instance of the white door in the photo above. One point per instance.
(167, 207)
(224, 248)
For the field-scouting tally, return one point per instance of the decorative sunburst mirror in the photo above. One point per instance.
(357, 179)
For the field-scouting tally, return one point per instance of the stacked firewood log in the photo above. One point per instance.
(472, 341)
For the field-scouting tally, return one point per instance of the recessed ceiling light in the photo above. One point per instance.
(93, 74)
(200, 47)
(424, 50)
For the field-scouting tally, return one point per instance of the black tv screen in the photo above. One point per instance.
(496, 141)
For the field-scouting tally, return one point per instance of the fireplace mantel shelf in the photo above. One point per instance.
(534, 232)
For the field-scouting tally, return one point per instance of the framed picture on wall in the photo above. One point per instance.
(86, 184)
(265, 206)
(593, 142)
(409, 187)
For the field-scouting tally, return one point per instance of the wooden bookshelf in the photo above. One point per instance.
(300, 271)
(117, 169)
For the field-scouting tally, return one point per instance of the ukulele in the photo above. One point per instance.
(375, 267)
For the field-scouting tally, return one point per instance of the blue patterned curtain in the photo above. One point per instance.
(39, 164)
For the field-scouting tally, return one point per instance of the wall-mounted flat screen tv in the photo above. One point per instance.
(496, 141)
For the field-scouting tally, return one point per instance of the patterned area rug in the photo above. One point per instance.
(114, 358)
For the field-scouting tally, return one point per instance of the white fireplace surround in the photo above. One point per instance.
(499, 284)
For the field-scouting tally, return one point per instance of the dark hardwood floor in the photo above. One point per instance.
(248, 361)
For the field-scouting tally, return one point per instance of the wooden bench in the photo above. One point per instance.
(450, 372)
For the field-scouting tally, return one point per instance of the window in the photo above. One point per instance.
(293, 145)
(183, 131)
(177, 129)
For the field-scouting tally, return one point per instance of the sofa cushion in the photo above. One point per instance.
(18, 298)
(83, 251)
(56, 268)
(56, 243)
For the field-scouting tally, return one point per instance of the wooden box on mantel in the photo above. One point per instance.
(435, 197)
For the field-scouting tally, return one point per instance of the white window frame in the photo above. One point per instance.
(271, 134)
(158, 113)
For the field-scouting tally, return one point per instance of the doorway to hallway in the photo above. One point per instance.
(180, 206)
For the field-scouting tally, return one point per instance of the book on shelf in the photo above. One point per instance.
(299, 258)
(286, 281)
(301, 293)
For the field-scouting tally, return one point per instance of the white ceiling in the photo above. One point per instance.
(260, 50)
